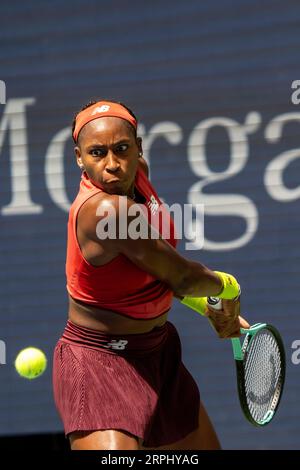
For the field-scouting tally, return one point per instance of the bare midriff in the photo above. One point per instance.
(109, 321)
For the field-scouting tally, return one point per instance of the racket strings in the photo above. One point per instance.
(262, 366)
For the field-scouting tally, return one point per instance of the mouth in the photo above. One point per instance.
(113, 180)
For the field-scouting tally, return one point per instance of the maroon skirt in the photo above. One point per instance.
(135, 383)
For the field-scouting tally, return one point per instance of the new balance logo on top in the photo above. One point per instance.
(101, 109)
(114, 344)
(153, 204)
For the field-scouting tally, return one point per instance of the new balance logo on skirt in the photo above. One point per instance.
(114, 344)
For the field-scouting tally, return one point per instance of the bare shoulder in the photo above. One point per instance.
(98, 207)
(94, 204)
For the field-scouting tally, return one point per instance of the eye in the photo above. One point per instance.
(122, 148)
(98, 152)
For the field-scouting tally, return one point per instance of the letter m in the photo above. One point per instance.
(13, 122)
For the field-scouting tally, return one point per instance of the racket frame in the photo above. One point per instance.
(239, 352)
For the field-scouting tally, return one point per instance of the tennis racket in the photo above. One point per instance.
(260, 368)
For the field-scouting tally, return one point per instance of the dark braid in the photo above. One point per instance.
(91, 103)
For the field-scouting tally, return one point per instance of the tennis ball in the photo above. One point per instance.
(30, 363)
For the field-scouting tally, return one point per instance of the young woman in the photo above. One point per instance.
(119, 381)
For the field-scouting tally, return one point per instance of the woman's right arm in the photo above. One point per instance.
(156, 256)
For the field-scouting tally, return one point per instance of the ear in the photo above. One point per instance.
(78, 157)
(139, 144)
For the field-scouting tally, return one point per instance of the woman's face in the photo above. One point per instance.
(109, 152)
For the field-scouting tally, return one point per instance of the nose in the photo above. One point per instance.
(112, 163)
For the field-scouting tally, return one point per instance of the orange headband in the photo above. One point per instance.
(101, 109)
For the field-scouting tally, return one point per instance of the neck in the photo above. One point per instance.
(131, 193)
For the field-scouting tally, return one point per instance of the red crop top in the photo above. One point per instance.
(118, 285)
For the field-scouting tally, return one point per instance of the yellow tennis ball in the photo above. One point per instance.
(30, 363)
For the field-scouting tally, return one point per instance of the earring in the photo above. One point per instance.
(140, 154)
(81, 167)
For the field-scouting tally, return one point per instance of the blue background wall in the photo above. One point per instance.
(177, 63)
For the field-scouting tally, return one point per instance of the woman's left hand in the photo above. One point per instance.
(227, 322)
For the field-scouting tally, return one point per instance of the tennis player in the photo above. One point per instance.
(118, 377)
